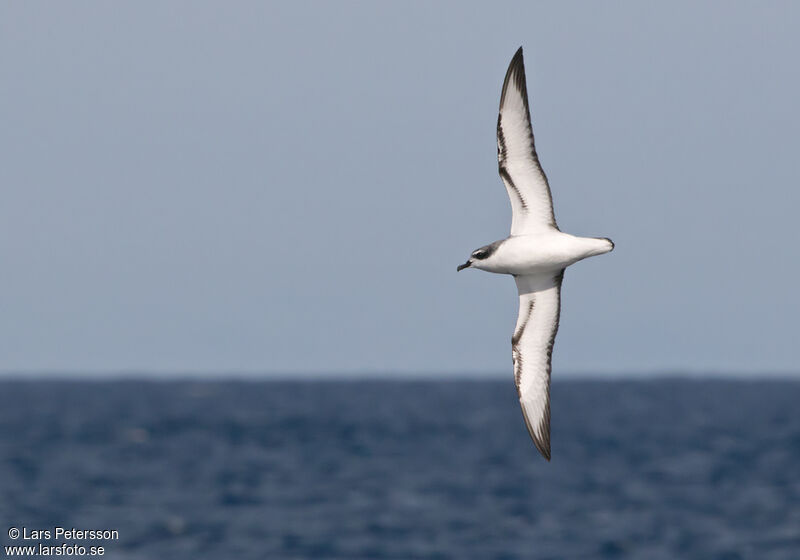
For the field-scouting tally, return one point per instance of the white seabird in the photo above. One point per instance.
(536, 254)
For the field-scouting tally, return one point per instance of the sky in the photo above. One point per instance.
(286, 188)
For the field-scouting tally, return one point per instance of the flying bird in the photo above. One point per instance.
(535, 254)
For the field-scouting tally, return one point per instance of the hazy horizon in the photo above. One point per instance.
(341, 376)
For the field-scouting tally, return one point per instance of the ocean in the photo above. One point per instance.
(664, 469)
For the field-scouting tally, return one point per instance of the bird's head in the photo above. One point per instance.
(480, 257)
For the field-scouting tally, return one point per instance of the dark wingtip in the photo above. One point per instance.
(516, 68)
(517, 61)
(543, 447)
(542, 444)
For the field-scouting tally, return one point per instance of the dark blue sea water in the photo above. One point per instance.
(664, 469)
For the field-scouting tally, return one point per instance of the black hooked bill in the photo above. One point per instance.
(463, 266)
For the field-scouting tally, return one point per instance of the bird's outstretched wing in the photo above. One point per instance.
(525, 181)
(531, 349)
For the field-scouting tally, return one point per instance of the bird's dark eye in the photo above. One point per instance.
(480, 255)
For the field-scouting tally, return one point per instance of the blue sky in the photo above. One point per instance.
(287, 188)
